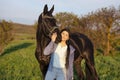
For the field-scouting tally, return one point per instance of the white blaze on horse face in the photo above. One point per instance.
(65, 35)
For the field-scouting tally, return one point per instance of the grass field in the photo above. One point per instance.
(19, 63)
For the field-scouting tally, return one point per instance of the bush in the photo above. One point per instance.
(5, 34)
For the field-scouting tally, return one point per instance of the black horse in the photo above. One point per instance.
(46, 25)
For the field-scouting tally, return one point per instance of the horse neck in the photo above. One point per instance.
(42, 40)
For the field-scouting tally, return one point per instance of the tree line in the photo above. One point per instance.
(101, 26)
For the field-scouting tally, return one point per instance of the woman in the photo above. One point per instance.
(62, 56)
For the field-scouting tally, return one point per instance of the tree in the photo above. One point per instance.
(65, 19)
(108, 18)
(5, 34)
(102, 27)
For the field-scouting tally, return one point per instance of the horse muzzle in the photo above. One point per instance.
(53, 30)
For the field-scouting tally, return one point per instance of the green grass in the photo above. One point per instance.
(108, 67)
(19, 63)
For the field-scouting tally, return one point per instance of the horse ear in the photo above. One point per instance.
(45, 9)
(51, 10)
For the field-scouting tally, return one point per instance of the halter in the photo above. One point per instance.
(54, 27)
(45, 16)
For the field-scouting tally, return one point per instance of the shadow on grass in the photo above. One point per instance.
(16, 47)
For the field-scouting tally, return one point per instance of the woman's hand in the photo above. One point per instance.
(54, 36)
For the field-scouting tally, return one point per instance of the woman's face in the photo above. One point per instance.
(65, 35)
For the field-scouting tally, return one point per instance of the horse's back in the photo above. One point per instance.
(82, 39)
(84, 43)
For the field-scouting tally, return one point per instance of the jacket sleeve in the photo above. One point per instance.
(71, 59)
(49, 48)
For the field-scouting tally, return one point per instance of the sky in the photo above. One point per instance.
(28, 11)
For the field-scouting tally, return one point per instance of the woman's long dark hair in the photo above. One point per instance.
(72, 43)
(68, 46)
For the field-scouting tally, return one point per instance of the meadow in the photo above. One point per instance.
(19, 63)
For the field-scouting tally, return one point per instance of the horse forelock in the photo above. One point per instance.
(47, 16)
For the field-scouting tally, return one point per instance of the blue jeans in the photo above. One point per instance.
(56, 73)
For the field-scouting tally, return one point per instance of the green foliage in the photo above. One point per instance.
(108, 67)
(18, 62)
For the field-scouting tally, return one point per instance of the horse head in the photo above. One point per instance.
(47, 22)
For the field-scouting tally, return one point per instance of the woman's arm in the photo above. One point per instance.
(50, 47)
